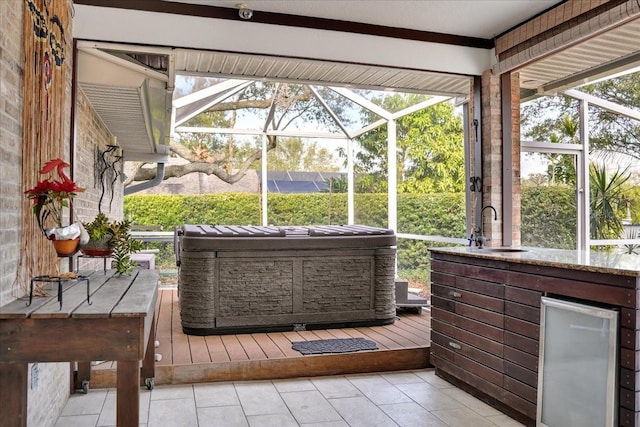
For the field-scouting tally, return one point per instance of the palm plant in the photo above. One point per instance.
(607, 197)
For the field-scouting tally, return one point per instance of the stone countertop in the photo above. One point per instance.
(594, 261)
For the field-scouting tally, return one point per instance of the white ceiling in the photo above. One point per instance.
(232, 48)
(473, 18)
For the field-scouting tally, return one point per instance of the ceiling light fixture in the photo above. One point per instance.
(244, 12)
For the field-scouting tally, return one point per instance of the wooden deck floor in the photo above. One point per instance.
(190, 359)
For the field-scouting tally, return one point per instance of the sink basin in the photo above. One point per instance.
(502, 250)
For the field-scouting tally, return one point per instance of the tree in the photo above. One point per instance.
(609, 132)
(292, 154)
(219, 154)
(430, 147)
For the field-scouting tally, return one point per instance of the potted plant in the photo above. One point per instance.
(50, 196)
(112, 239)
(101, 233)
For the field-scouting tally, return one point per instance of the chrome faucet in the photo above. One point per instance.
(480, 239)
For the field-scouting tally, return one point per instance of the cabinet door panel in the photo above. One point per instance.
(491, 375)
(523, 296)
(439, 353)
(470, 366)
(441, 303)
(459, 347)
(528, 329)
(487, 331)
(443, 279)
(480, 286)
(521, 374)
(494, 390)
(529, 345)
(479, 314)
(519, 404)
(460, 295)
(521, 311)
(521, 358)
(461, 336)
(521, 389)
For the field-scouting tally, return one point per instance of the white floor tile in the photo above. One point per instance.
(503, 420)
(273, 420)
(335, 387)
(379, 390)
(85, 404)
(416, 398)
(302, 384)
(411, 415)
(361, 412)
(429, 397)
(172, 413)
(215, 394)
(260, 398)
(472, 402)
(77, 421)
(435, 381)
(462, 417)
(228, 416)
(310, 407)
(327, 424)
(172, 392)
(402, 377)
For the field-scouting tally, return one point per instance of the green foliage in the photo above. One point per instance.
(371, 209)
(123, 245)
(429, 143)
(338, 185)
(293, 154)
(171, 210)
(633, 197)
(548, 217)
(608, 201)
(609, 132)
(435, 214)
(305, 209)
(99, 228)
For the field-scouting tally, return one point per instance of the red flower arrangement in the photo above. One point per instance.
(50, 196)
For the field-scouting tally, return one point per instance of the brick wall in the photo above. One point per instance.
(49, 393)
(49, 387)
(534, 29)
(92, 140)
(492, 155)
(11, 64)
(515, 165)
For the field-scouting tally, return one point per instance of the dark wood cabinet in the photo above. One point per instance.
(486, 326)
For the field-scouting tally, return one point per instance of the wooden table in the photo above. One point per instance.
(117, 325)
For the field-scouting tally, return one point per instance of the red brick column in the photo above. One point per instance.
(492, 156)
(501, 182)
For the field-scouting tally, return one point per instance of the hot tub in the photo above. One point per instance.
(249, 278)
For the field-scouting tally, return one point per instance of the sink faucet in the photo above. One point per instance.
(480, 239)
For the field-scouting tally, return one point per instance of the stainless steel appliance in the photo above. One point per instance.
(577, 366)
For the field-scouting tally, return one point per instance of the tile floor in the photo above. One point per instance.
(411, 398)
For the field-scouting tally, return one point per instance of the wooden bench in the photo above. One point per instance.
(118, 325)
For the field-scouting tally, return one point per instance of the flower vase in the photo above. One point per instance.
(66, 247)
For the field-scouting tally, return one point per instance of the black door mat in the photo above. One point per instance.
(338, 345)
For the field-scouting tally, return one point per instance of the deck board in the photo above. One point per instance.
(401, 345)
(270, 349)
(216, 348)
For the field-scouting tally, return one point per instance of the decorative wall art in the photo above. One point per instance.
(46, 116)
